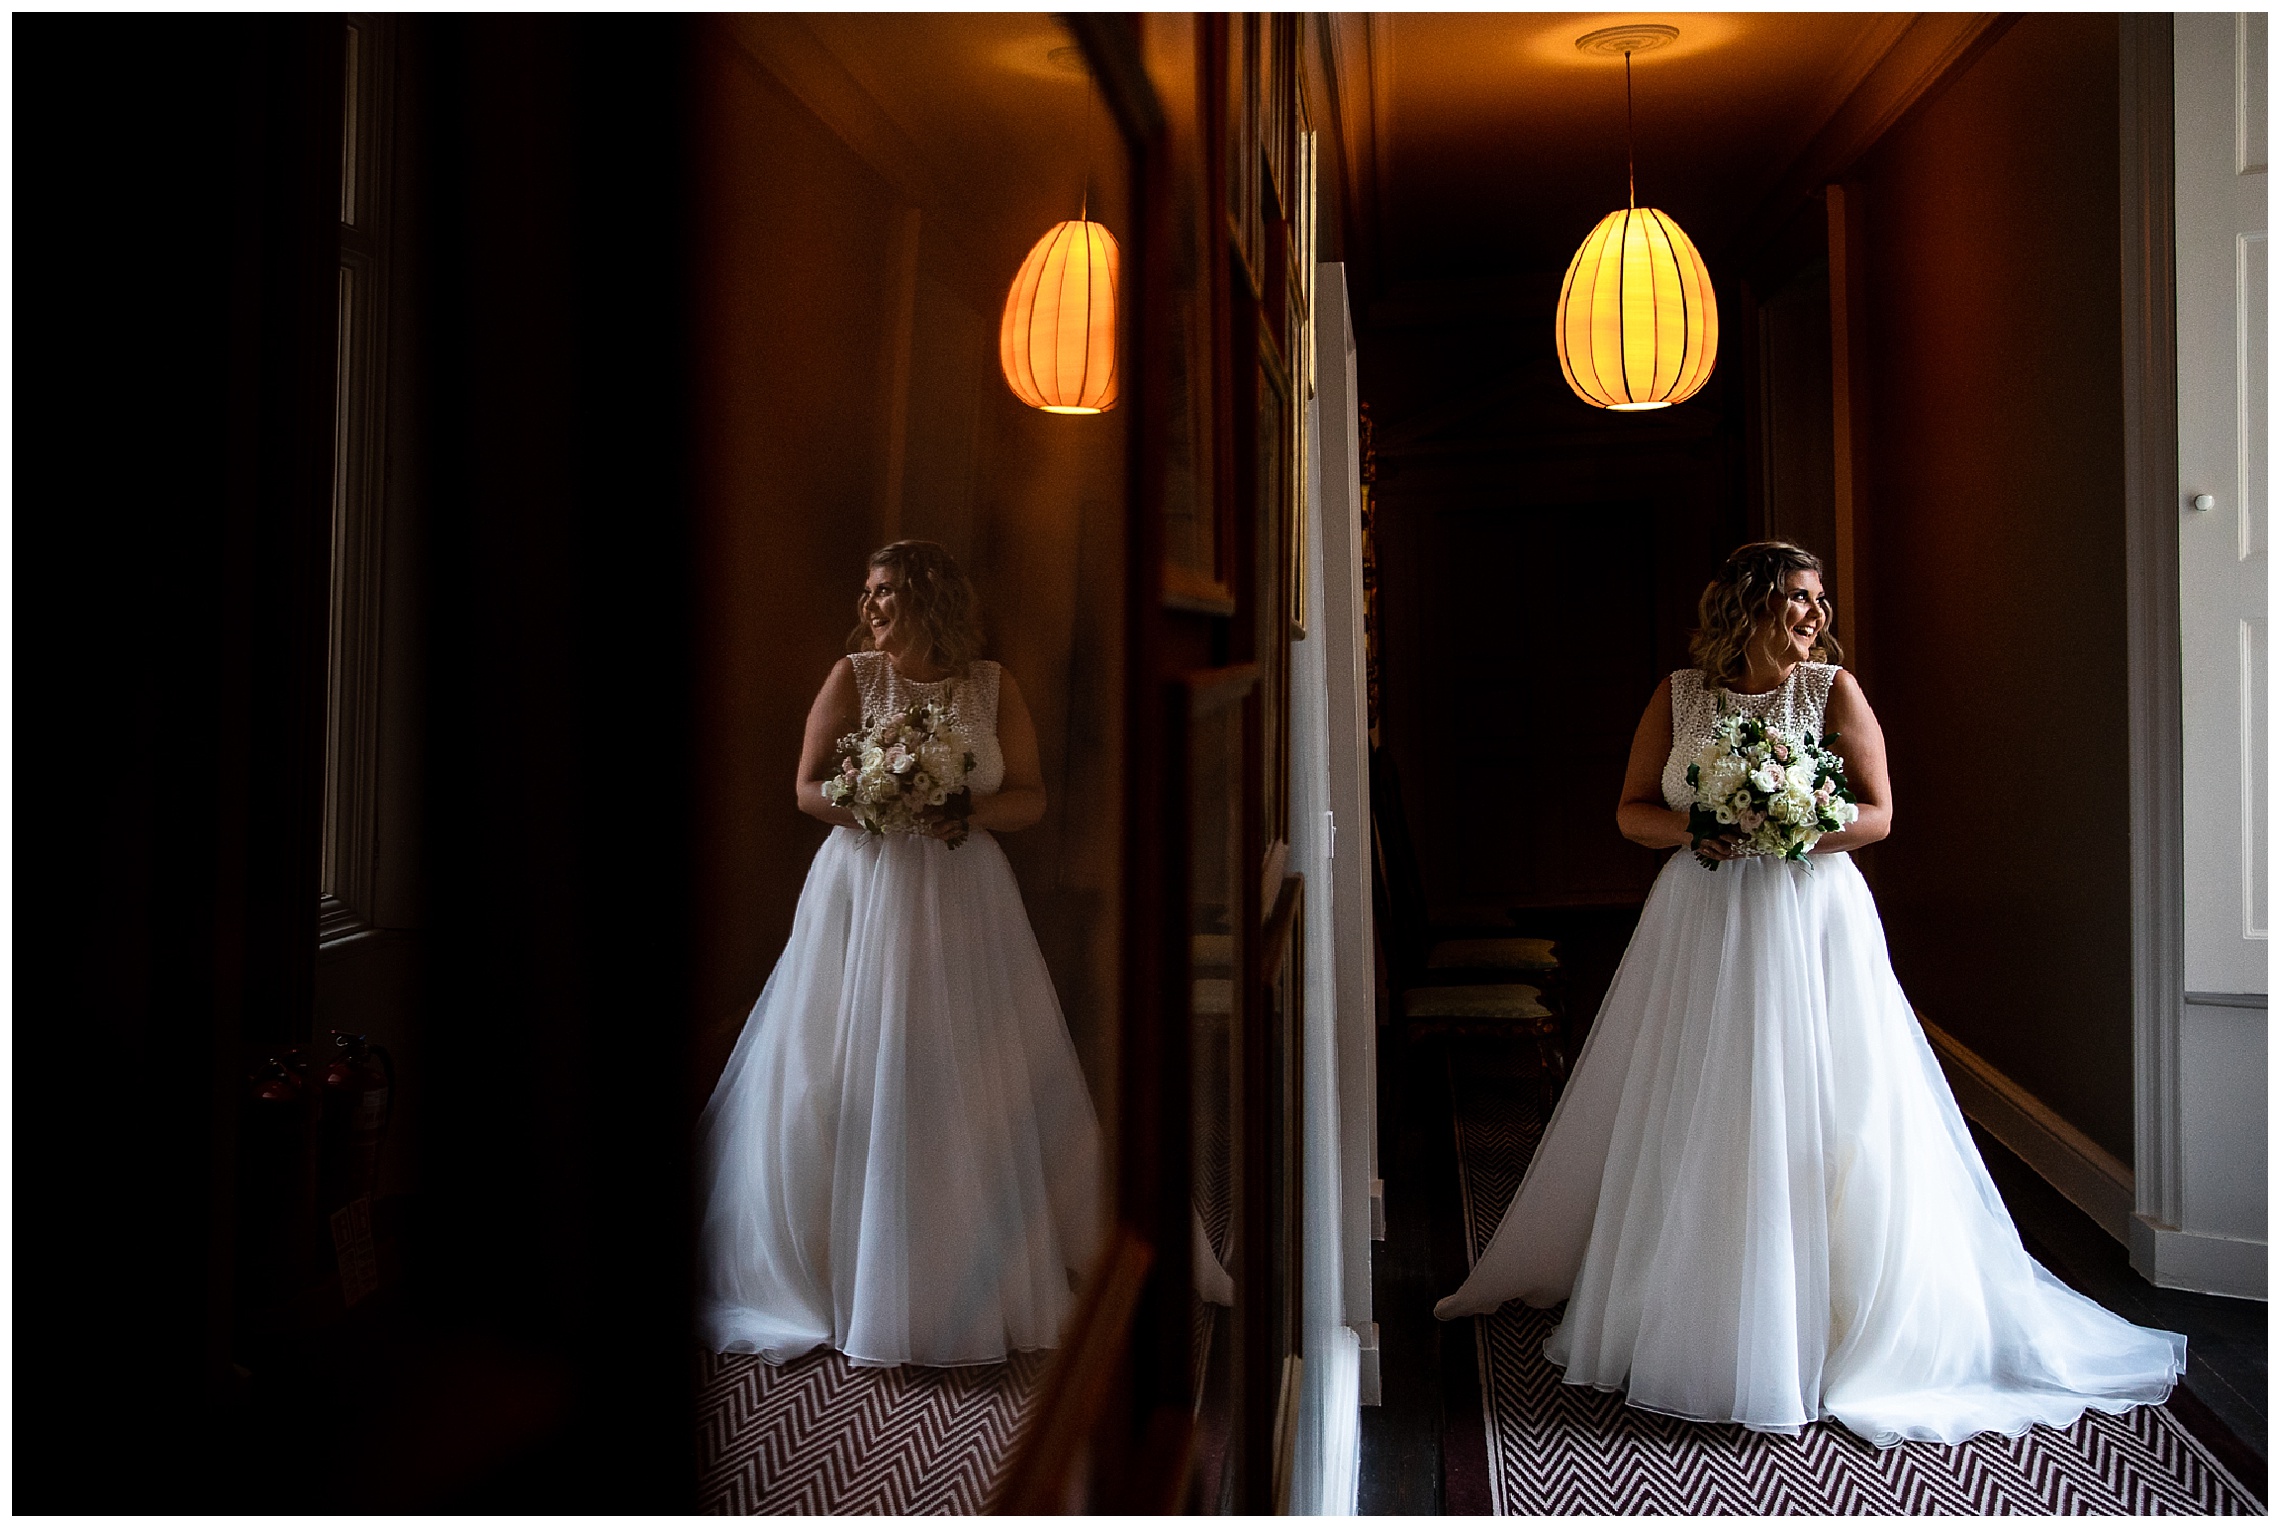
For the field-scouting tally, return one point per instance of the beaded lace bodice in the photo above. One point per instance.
(972, 699)
(1800, 702)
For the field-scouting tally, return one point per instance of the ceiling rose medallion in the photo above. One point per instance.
(1631, 37)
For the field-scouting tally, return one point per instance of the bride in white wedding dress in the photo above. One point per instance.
(901, 1159)
(1757, 1196)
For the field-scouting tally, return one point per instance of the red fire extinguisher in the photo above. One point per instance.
(358, 1087)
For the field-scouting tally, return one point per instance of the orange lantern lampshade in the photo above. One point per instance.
(1057, 342)
(1637, 322)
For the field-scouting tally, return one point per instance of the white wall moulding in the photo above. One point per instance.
(2149, 445)
(2093, 1180)
(2209, 1265)
(1901, 66)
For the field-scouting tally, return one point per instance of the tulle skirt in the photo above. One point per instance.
(1761, 1204)
(901, 1159)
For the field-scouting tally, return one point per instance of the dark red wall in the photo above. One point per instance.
(1994, 563)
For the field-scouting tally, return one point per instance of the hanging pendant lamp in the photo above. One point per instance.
(1637, 326)
(1057, 341)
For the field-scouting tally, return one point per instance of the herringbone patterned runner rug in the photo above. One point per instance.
(1555, 1448)
(819, 1435)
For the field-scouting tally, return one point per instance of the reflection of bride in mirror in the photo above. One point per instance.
(901, 1160)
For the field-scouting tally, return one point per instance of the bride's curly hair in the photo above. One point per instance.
(1738, 602)
(935, 596)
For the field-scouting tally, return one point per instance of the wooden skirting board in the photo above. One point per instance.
(2090, 1177)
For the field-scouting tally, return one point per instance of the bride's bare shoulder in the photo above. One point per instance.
(841, 690)
(1847, 700)
(1010, 701)
(1654, 720)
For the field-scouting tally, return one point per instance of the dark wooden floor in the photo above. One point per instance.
(2223, 1400)
(1424, 1451)
(1431, 1407)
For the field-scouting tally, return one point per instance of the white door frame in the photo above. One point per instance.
(2179, 1236)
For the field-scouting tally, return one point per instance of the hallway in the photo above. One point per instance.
(1934, 372)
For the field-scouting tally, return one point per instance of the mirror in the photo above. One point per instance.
(875, 185)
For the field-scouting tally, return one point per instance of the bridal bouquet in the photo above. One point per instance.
(905, 775)
(1777, 790)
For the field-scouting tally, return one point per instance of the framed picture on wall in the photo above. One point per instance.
(1186, 66)
(1277, 63)
(1246, 73)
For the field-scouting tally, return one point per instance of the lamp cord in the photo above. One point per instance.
(1084, 205)
(1630, 152)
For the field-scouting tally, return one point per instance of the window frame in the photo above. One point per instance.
(348, 872)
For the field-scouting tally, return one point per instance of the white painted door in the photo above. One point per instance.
(2220, 458)
(2218, 1241)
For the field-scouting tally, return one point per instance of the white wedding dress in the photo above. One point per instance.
(901, 1159)
(1757, 1195)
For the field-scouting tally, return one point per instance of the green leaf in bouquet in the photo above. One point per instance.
(1702, 823)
